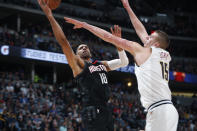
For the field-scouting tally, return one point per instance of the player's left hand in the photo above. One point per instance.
(117, 32)
(77, 24)
(44, 6)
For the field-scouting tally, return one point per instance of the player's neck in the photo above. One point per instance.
(88, 60)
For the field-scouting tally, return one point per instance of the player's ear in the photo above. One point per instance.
(156, 44)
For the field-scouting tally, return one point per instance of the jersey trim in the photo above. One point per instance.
(95, 62)
(159, 103)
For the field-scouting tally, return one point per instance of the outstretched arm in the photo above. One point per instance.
(130, 46)
(61, 38)
(123, 59)
(138, 26)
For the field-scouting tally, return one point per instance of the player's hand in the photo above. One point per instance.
(44, 5)
(117, 32)
(125, 3)
(77, 24)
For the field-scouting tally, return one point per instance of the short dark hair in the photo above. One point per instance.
(78, 47)
(163, 39)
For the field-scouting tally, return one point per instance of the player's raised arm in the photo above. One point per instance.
(123, 59)
(61, 38)
(130, 46)
(138, 26)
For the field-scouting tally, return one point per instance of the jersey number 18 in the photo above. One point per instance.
(103, 78)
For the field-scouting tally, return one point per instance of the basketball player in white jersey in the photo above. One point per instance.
(152, 71)
(154, 93)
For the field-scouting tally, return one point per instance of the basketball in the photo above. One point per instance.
(53, 4)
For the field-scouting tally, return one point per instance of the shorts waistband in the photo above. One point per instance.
(159, 103)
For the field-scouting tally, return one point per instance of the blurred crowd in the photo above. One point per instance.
(182, 27)
(187, 65)
(35, 106)
(41, 38)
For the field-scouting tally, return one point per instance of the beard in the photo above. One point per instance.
(86, 55)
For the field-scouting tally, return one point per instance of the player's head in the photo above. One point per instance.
(83, 51)
(159, 39)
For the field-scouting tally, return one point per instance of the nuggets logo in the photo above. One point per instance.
(5, 50)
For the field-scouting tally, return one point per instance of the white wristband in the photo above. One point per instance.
(117, 63)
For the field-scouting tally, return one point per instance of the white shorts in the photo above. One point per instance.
(162, 118)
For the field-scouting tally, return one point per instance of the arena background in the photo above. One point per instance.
(37, 90)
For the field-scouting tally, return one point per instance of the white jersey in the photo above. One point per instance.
(153, 77)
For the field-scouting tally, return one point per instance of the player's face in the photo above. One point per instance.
(151, 40)
(83, 51)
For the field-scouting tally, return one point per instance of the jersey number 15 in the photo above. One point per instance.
(165, 72)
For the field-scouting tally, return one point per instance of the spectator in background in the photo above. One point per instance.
(179, 76)
(10, 87)
(36, 121)
(64, 126)
(29, 125)
(23, 99)
(2, 106)
(24, 90)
